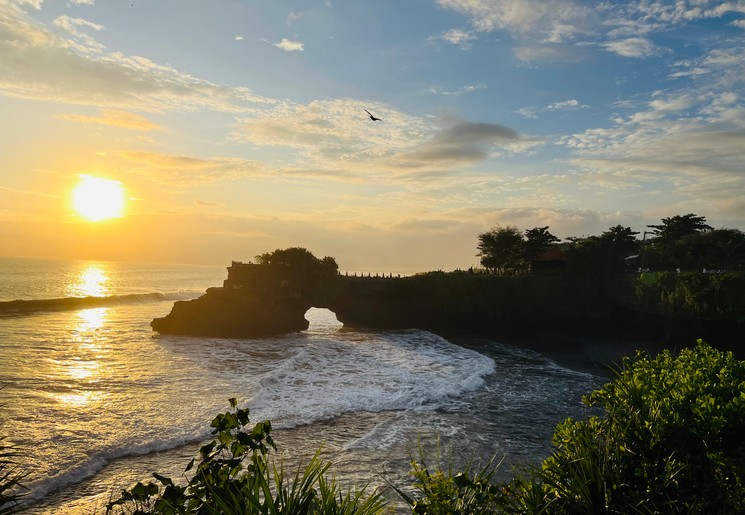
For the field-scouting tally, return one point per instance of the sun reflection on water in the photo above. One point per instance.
(81, 368)
(90, 282)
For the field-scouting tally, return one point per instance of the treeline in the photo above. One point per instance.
(680, 242)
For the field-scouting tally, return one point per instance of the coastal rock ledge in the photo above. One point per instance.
(271, 298)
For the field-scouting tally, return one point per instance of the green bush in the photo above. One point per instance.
(670, 441)
(445, 492)
(235, 476)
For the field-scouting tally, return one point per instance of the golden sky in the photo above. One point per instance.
(234, 129)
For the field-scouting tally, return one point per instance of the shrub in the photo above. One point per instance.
(235, 476)
(670, 441)
(444, 492)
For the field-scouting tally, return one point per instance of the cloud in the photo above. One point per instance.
(468, 88)
(551, 20)
(563, 105)
(238, 38)
(71, 67)
(116, 118)
(685, 148)
(290, 46)
(188, 170)
(459, 37)
(333, 133)
(624, 28)
(545, 53)
(460, 142)
(633, 47)
(293, 17)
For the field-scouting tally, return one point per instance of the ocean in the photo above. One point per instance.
(96, 401)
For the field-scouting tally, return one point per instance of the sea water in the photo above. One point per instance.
(96, 401)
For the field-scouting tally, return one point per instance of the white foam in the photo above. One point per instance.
(411, 370)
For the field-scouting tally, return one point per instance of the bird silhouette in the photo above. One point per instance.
(372, 117)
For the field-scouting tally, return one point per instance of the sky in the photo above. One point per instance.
(236, 127)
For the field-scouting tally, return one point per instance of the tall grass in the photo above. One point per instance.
(11, 475)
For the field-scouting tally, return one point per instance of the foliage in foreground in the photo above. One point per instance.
(235, 476)
(10, 478)
(670, 441)
(11, 475)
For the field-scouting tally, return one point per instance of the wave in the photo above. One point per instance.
(97, 460)
(22, 307)
(412, 371)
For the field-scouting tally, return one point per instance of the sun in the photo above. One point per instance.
(97, 199)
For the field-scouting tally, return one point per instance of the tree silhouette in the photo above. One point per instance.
(537, 240)
(677, 227)
(502, 249)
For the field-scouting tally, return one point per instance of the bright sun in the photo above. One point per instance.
(97, 199)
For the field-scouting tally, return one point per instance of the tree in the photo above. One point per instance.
(501, 249)
(677, 227)
(300, 270)
(537, 240)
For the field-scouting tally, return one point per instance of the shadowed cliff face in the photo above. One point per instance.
(260, 300)
(271, 298)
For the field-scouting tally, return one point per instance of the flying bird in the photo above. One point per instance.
(372, 117)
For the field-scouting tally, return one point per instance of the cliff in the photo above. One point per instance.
(260, 300)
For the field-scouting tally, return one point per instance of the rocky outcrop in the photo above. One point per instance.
(272, 298)
(231, 313)
(258, 300)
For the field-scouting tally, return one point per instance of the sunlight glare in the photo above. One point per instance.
(90, 283)
(97, 199)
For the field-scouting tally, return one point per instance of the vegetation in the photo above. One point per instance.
(236, 476)
(506, 250)
(10, 480)
(683, 242)
(670, 441)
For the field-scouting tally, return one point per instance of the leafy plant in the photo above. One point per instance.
(444, 492)
(670, 442)
(235, 476)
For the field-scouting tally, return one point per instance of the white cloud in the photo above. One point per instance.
(468, 88)
(290, 46)
(633, 47)
(459, 38)
(686, 148)
(239, 38)
(71, 67)
(552, 20)
(570, 105)
(563, 105)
